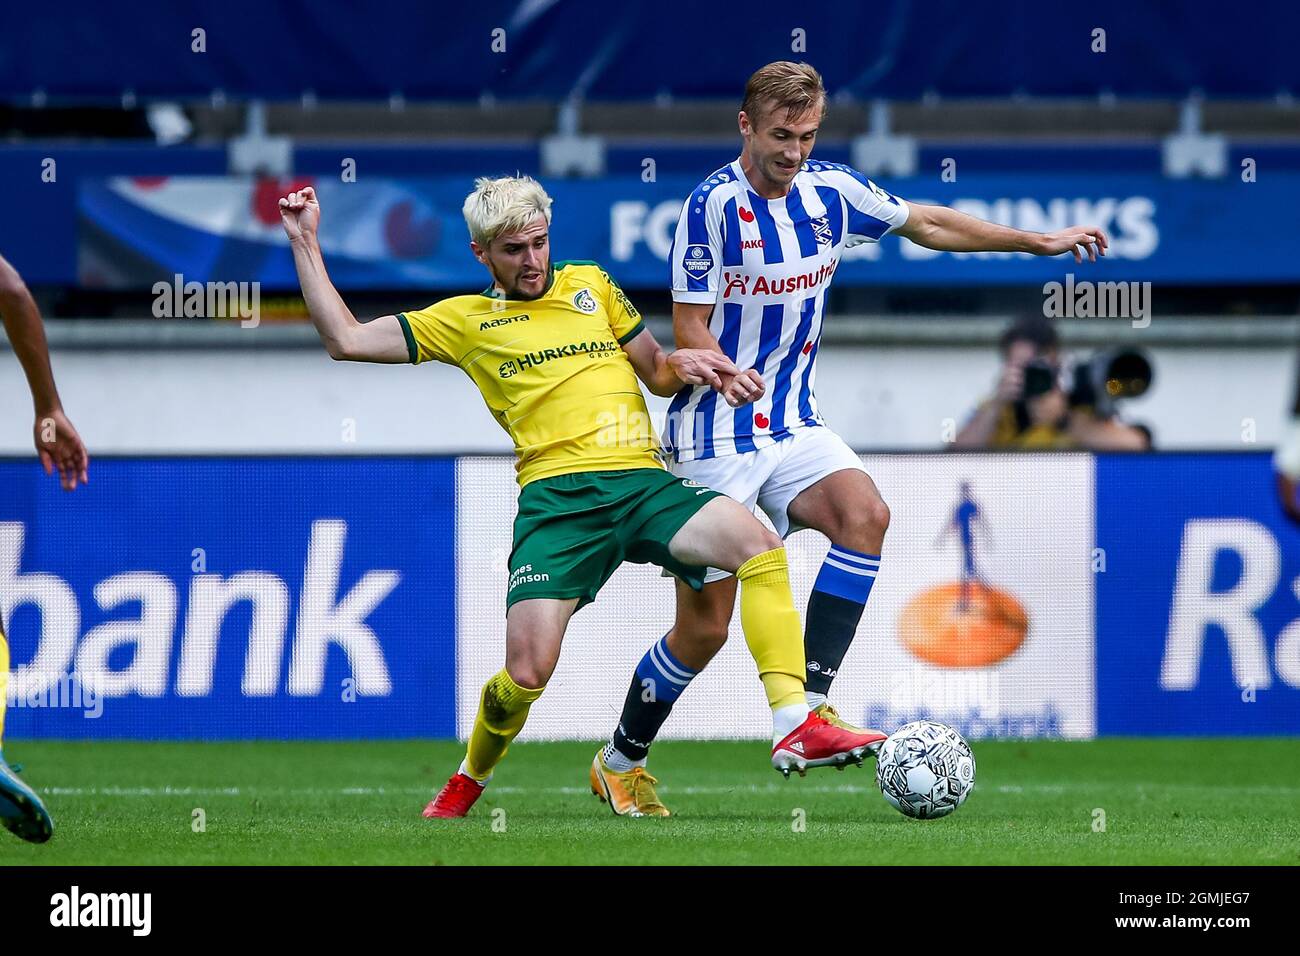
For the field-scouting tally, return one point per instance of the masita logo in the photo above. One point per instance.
(326, 622)
(77, 909)
(504, 320)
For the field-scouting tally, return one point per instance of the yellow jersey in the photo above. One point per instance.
(552, 370)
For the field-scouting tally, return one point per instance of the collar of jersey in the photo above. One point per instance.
(739, 171)
(491, 292)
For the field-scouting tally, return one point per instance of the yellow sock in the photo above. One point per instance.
(4, 684)
(502, 710)
(771, 626)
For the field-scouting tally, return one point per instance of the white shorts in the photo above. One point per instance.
(772, 477)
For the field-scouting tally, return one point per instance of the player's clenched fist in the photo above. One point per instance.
(300, 213)
(746, 387)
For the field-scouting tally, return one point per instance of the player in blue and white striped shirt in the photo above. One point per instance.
(759, 270)
(756, 246)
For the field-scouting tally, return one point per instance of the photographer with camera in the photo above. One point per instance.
(1035, 407)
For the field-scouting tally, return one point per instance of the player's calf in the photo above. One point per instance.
(659, 679)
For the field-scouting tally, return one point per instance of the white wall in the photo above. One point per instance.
(297, 400)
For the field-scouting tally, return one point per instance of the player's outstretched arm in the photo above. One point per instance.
(346, 339)
(57, 442)
(938, 227)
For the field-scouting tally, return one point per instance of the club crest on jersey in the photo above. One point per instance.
(584, 302)
(697, 260)
(821, 231)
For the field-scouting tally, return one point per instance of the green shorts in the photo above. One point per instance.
(573, 531)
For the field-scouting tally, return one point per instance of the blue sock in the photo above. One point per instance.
(834, 611)
(658, 681)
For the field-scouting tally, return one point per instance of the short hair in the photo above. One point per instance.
(1036, 329)
(785, 85)
(505, 204)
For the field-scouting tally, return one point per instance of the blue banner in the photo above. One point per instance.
(408, 233)
(1198, 622)
(519, 49)
(231, 598)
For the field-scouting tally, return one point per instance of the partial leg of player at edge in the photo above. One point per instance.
(21, 811)
(60, 448)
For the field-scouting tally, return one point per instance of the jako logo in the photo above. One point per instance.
(1196, 608)
(74, 909)
(324, 617)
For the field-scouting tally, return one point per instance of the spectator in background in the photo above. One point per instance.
(1030, 408)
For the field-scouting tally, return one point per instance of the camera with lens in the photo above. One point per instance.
(1096, 383)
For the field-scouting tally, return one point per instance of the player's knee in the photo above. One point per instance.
(752, 540)
(765, 540)
(530, 673)
(877, 515)
(864, 526)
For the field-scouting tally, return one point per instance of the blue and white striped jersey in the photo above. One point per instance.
(765, 265)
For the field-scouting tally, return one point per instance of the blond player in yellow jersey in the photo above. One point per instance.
(556, 350)
(59, 446)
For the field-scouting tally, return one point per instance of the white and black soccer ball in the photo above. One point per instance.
(925, 769)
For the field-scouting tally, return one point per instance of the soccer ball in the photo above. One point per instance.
(925, 769)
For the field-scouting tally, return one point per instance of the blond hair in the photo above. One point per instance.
(503, 205)
(784, 85)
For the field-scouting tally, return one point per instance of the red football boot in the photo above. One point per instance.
(819, 743)
(455, 798)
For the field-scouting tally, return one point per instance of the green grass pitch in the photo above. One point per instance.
(1165, 802)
